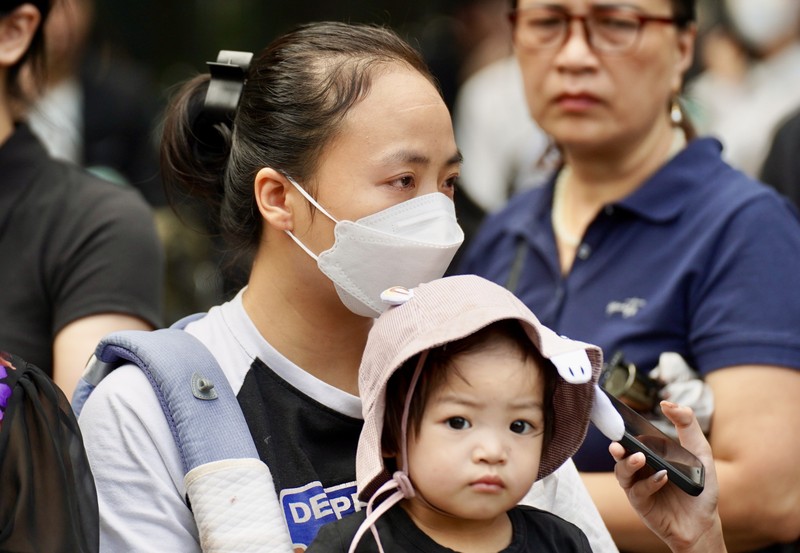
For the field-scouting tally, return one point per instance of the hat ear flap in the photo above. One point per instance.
(605, 417)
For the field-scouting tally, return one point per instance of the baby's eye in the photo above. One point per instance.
(458, 423)
(521, 427)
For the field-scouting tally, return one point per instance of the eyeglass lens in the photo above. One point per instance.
(608, 29)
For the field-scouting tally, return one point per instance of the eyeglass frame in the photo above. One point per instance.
(642, 18)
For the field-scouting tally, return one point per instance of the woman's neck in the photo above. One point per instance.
(593, 179)
(599, 177)
(305, 321)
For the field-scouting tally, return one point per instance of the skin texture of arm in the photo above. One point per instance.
(75, 344)
(756, 417)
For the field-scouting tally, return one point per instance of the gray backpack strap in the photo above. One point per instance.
(190, 386)
(232, 495)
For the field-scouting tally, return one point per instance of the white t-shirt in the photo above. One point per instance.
(57, 119)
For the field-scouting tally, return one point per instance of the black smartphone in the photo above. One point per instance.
(662, 452)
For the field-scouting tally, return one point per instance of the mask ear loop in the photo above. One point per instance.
(297, 241)
(313, 202)
(400, 481)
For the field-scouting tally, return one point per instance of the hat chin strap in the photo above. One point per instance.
(400, 482)
(403, 489)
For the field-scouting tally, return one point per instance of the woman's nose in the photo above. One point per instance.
(576, 52)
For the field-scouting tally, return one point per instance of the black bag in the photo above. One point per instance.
(48, 501)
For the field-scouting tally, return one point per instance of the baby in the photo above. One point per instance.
(467, 401)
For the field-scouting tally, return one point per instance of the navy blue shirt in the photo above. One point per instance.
(700, 260)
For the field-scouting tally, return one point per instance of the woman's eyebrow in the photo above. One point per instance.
(417, 158)
(407, 156)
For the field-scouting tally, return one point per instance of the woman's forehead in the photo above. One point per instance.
(400, 103)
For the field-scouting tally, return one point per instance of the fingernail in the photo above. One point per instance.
(669, 404)
(660, 475)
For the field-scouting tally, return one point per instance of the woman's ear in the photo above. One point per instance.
(16, 33)
(685, 55)
(271, 188)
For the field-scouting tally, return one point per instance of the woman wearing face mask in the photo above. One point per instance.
(646, 242)
(744, 110)
(336, 178)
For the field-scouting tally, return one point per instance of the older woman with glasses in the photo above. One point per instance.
(645, 242)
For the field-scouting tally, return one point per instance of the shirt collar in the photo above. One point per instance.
(664, 196)
(661, 198)
(20, 157)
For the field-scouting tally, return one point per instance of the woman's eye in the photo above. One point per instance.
(545, 23)
(449, 186)
(403, 182)
(457, 423)
(521, 427)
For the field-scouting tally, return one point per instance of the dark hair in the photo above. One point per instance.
(297, 92)
(35, 53)
(438, 366)
(684, 12)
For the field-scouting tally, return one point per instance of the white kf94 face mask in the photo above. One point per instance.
(404, 245)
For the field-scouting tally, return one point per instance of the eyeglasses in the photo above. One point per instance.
(609, 29)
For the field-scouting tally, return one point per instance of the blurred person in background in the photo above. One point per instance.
(646, 242)
(83, 256)
(461, 39)
(782, 167)
(752, 80)
(96, 108)
(504, 150)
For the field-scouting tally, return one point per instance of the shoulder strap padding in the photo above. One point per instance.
(207, 423)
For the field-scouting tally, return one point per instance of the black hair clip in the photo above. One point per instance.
(228, 75)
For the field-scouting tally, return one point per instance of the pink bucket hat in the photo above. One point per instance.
(447, 310)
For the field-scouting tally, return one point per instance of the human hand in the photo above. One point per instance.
(685, 523)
